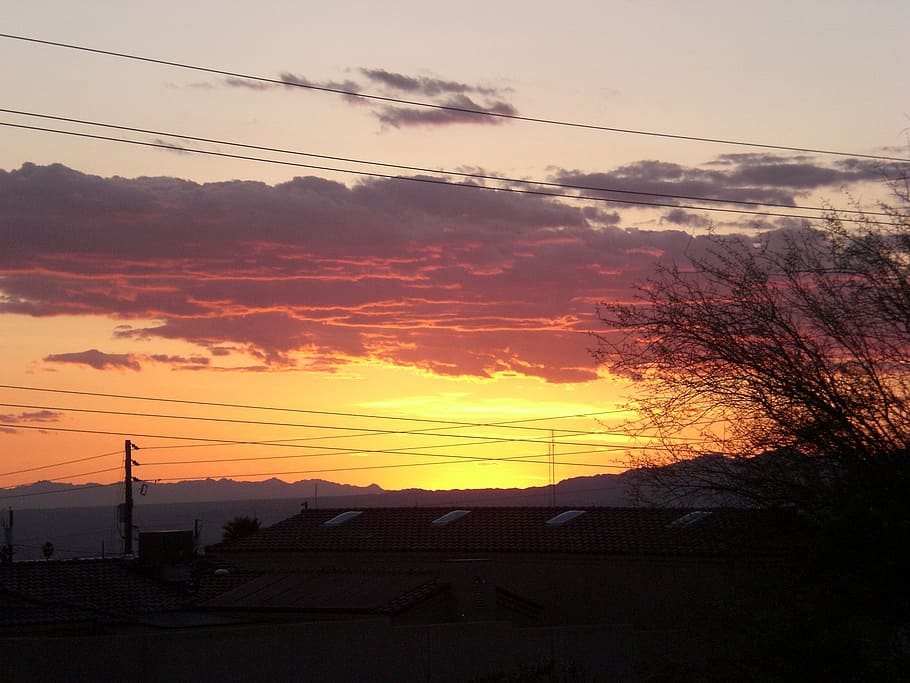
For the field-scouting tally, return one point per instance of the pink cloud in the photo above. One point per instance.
(314, 274)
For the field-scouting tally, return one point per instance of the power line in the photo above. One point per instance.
(442, 107)
(331, 413)
(75, 430)
(423, 169)
(595, 448)
(316, 471)
(85, 474)
(58, 464)
(395, 432)
(451, 459)
(436, 181)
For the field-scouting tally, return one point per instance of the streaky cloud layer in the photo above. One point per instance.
(314, 274)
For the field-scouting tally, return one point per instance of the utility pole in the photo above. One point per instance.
(128, 447)
(6, 552)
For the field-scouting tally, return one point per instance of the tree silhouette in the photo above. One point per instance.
(776, 373)
(783, 358)
(239, 527)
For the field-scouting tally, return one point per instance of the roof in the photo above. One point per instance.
(336, 591)
(594, 530)
(54, 591)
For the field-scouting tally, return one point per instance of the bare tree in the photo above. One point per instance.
(776, 369)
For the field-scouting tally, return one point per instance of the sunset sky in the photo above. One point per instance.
(417, 331)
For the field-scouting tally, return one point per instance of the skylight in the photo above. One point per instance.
(689, 519)
(564, 517)
(449, 517)
(342, 518)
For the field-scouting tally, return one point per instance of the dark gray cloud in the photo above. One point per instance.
(390, 84)
(424, 85)
(248, 84)
(765, 178)
(682, 217)
(96, 359)
(459, 109)
(345, 86)
(179, 360)
(31, 416)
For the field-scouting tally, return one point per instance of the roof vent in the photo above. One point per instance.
(338, 520)
(449, 517)
(564, 517)
(689, 519)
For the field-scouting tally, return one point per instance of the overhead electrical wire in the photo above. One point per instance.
(59, 464)
(395, 432)
(410, 451)
(445, 172)
(451, 459)
(295, 442)
(119, 468)
(306, 411)
(443, 107)
(600, 448)
(216, 441)
(326, 450)
(437, 181)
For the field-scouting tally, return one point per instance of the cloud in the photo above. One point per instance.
(27, 417)
(96, 359)
(179, 360)
(765, 178)
(293, 79)
(423, 85)
(33, 416)
(315, 275)
(451, 95)
(457, 109)
(682, 217)
(248, 84)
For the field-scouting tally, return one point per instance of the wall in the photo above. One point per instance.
(329, 651)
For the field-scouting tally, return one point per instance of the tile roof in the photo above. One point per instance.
(336, 591)
(84, 589)
(523, 530)
(18, 611)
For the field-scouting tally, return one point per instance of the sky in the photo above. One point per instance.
(344, 296)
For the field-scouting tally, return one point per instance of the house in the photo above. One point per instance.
(652, 567)
(401, 594)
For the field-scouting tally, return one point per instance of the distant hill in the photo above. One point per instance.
(604, 489)
(48, 494)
